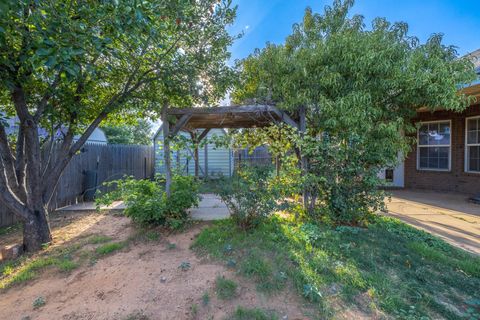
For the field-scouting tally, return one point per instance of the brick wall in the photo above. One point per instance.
(456, 180)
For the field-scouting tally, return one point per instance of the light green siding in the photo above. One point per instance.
(219, 160)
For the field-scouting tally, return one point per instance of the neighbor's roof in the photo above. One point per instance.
(475, 58)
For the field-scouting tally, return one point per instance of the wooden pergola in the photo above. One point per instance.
(231, 117)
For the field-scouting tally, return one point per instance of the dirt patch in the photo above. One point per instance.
(143, 279)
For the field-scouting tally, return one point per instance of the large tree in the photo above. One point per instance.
(65, 66)
(360, 87)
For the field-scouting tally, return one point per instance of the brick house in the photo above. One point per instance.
(446, 156)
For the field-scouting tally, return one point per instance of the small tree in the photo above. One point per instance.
(67, 66)
(137, 133)
(360, 88)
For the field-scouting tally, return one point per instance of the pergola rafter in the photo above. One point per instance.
(231, 117)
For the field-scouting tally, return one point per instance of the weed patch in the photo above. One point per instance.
(251, 314)
(226, 289)
(98, 239)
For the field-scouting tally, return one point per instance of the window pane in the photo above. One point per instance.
(433, 134)
(443, 163)
(433, 152)
(474, 152)
(437, 133)
(472, 124)
(423, 135)
(423, 163)
(472, 137)
(473, 131)
(433, 163)
(443, 152)
(434, 157)
(424, 152)
(474, 158)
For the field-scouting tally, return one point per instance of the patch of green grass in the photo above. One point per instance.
(109, 248)
(226, 289)
(98, 239)
(261, 270)
(67, 265)
(205, 299)
(65, 259)
(152, 235)
(194, 310)
(30, 268)
(251, 314)
(10, 229)
(388, 266)
(137, 316)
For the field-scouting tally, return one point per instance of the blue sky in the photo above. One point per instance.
(271, 20)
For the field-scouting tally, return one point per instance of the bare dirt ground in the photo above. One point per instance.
(142, 281)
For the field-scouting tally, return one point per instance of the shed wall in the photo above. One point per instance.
(219, 160)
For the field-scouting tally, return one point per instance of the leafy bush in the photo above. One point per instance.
(248, 196)
(147, 203)
(342, 182)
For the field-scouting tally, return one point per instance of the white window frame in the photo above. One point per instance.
(467, 162)
(439, 145)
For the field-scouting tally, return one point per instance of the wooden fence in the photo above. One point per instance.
(95, 164)
(246, 157)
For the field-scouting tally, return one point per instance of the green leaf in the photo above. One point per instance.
(42, 52)
(76, 52)
(51, 61)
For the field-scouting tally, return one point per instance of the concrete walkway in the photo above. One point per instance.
(449, 216)
(210, 208)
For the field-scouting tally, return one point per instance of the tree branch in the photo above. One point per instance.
(48, 94)
(9, 199)
(8, 165)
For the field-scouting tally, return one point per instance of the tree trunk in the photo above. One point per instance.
(36, 230)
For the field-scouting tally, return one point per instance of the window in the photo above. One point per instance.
(472, 147)
(389, 175)
(433, 152)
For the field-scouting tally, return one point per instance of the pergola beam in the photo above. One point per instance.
(203, 135)
(180, 124)
(247, 116)
(284, 117)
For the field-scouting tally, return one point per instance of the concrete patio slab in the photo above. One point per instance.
(450, 216)
(210, 208)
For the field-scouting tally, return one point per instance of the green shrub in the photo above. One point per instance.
(341, 185)
(248, 196)
(226, 289)
(147, 203)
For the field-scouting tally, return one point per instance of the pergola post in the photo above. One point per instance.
(166, 150)
(196, 141)
(193, 136)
